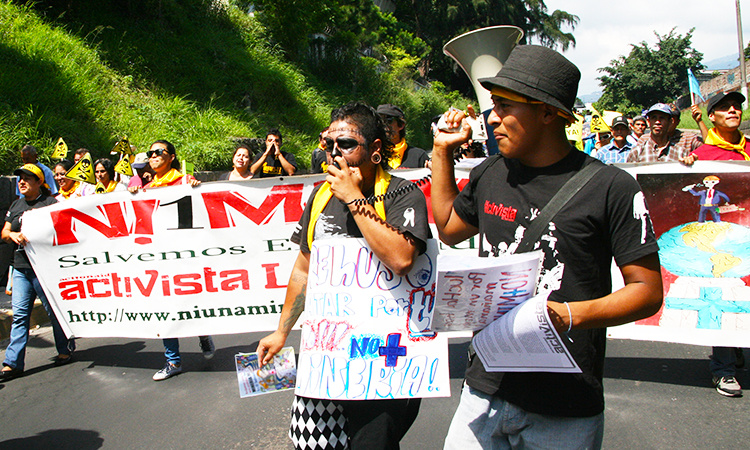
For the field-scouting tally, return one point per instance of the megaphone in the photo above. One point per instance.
(481, 53)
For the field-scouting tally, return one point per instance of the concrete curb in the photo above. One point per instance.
(38, 318)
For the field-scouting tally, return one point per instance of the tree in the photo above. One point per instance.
(649, 75)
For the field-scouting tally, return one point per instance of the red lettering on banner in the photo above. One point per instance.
(115, 226)
(271, 282)
(217, 203)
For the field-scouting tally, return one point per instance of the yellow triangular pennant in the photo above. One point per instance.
(83, 170)
(122, 146)
(124, 167)
(61, 149)
(100, 189)
(574, 130)
(598, 125)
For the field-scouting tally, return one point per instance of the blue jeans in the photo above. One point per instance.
(486, 422)
(723, 362)
(172, 350)
(26, 288)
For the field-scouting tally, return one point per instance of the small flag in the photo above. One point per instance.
(574, 130)
(61, 149)
(598, 125)
(123, 166)
(695, 88)
(83, 170)
(122, 146)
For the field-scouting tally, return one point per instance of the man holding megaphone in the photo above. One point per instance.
(601, 216)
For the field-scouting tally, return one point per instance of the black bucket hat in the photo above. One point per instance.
(539, 73)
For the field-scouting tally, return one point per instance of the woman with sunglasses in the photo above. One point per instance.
(26, 287)
(104, 171)
(162, 157)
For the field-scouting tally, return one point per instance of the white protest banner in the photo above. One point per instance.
(175, 261)
(473, 292)
(364, 329)
(704, 253)
(168, 262)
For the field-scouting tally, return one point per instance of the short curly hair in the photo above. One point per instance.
(370, 124)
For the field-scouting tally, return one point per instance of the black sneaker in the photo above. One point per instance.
(727, 386)
(207, 346)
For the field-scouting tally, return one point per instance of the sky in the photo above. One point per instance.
(606, 29)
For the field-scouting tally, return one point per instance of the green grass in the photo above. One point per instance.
(687, 122)
(186, 71)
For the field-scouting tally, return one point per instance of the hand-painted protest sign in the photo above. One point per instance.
(473, 292)
(365, 330)
(175, 261)
(704, 251)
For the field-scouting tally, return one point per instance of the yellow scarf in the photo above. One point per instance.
(324, 194)
(168, 178)
(100, 189)
(398, 154)
(67, 193)
(713, 138)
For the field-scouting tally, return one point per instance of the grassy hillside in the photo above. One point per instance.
(195, 72)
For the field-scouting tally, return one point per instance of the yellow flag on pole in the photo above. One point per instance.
(61, 149)
(123, 166)
(598, 125)
(122, 146)
(83, 170)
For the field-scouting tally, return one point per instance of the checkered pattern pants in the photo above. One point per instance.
(317, 424)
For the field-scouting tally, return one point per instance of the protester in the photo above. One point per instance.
(104, 171)
(319, 158)
(143, 173)
(162, 157)
(359, 144)
(240, 165)
(405, 156)
(67, 187)
(84, 189)
(723, 142)
(617, 151)
(274, 162)
(665, 142)
(533, 95)
(29, 156)
(638, 128)
(26, 287)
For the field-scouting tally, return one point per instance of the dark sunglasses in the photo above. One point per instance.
(346, 145)
(157, 152)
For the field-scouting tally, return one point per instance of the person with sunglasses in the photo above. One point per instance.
(395, 228)
(274, 162)
(162, 157)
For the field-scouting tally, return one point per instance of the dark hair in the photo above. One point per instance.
(108, 166)
(246, 147)
(29, 149)
(81, 151)
(370, 124)
(65, 164)
(275, 132)
(170, 148)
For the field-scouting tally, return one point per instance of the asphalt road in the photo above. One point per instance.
(657, 395)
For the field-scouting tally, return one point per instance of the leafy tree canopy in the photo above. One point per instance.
(649, 75)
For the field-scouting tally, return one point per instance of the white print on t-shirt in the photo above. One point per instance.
(503, 248)
(409, 217)
(549, 279)
(641, 212)
(326, 227)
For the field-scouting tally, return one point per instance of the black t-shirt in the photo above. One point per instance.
(318, 161)
(607, 218)
(20, 206)
(272, 166)
(406, 211)
(414, 158)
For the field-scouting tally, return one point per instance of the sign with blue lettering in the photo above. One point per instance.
(366, 331)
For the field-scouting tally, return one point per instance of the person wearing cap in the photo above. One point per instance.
(724, 142)
(35, 194)
(665, 142)
(686, 139)
(405, 156)
(143, 171)
(319, 159)
(533, 96)
(274, 162)
(29, 156)
(617, 151)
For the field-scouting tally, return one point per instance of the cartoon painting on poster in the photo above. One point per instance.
(701, 220)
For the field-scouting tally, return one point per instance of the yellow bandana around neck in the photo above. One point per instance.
(324, 194)
(713, 138)
(67, 193)
(168, 178)
(398, 154)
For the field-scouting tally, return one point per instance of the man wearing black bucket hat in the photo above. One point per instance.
(533, 96)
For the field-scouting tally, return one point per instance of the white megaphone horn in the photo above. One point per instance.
(482, 53)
